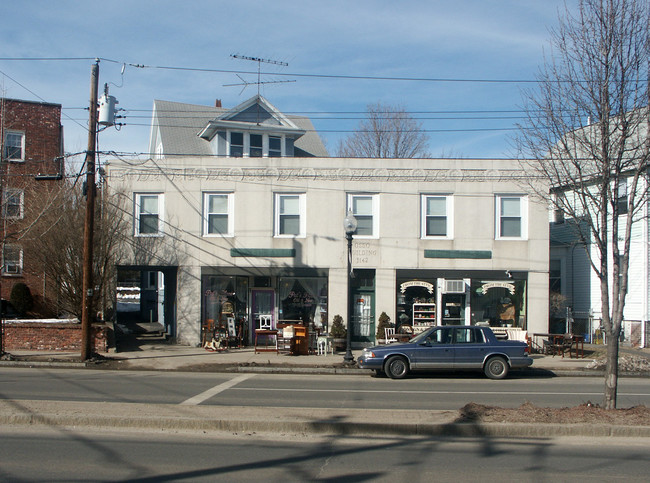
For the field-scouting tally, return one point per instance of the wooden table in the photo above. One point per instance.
(403, 337)
(579, 341)
(266, 334)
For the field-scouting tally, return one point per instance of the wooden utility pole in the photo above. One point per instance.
(89, 223)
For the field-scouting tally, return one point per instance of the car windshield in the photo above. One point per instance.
(421, 336)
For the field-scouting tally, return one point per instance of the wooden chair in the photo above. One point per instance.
(389, 334)
(562, 344)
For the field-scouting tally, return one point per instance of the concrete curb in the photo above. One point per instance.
(273, 369)
(342, 428)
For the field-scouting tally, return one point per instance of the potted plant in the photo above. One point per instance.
(382, 323)
(338, 333)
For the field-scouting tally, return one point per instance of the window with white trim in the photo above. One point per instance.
(13, 203)
(511, 220)
(12, 260)
(275, 147)
(290, 214)
(218, 217)
(148, 214)
(437, 216)
(365, 208)
(256, 147)
(14, 146)
(621, 196)
(236, 144)
(251, 145)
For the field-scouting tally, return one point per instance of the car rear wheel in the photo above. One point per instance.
(397, 367)
(496, 368)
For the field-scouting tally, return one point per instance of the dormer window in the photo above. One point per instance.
(236, 144)
(250, 145)
(275, 147)
(256, 147)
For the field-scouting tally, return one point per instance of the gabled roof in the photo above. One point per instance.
(256, 114)
(188, 128)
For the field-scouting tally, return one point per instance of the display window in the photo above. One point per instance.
(499, 303)
(303, 300)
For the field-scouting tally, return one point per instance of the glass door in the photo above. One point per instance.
(263, 308)
(453, 309)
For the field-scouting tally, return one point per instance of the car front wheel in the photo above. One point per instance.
(397, 367)
(496, 368)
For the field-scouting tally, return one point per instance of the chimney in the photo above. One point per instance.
(217, 103)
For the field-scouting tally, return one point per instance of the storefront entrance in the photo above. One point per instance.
(263, 308)
(363, 317)
(453, 309)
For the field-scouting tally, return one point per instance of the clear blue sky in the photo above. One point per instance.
(425, 39)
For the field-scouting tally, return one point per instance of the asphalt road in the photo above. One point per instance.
(309, 391)
(36, 454)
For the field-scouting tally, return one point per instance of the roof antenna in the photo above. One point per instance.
(259, 72)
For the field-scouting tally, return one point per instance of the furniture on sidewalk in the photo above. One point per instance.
(286, 334)
(579, 341)
(562, 343)
(324, 345)
(267, 336)
(389, 334)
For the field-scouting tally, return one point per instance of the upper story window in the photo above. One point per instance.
(256, 145)
(511, 221)
(13, 203)
(621, 196)
(12, 260)
(148, 214)
(290, 214)
(236, 144)
(275, 146)
(365, 208)
(437, 216)
(14, 146)
(218, 214)
(244, 144)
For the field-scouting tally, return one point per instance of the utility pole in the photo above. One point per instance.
(89, 223)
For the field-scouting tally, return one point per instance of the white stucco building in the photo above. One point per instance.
(242, 212)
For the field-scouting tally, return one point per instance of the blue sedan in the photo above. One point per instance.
(448, 347)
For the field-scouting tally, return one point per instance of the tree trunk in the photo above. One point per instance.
(611, 370)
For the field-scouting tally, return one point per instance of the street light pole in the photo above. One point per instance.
(350, 225)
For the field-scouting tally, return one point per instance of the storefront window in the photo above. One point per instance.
(303, 300)
(412, 292)
(499, 303)
(224, 296)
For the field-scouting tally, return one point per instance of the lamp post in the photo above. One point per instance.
(350, 225)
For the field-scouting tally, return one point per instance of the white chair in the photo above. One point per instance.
(265, 322)
(323, 345)
(389, 333)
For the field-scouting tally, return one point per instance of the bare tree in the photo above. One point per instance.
(56, 240)
(587, 134)
(388, 132)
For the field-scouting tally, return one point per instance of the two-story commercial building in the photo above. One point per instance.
(240, 213)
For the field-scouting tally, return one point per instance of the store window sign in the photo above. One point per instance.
(416, 283)
(488, 285)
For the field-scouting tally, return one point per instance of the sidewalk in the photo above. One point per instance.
(152, 355)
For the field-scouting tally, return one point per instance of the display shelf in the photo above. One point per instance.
(424, 315)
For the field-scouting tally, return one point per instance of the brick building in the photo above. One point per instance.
(31, 137)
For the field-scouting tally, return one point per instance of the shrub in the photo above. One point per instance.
(337, 330)
(383, 322)
(21, 298)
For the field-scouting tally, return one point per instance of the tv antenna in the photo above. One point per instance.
(259, 82)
